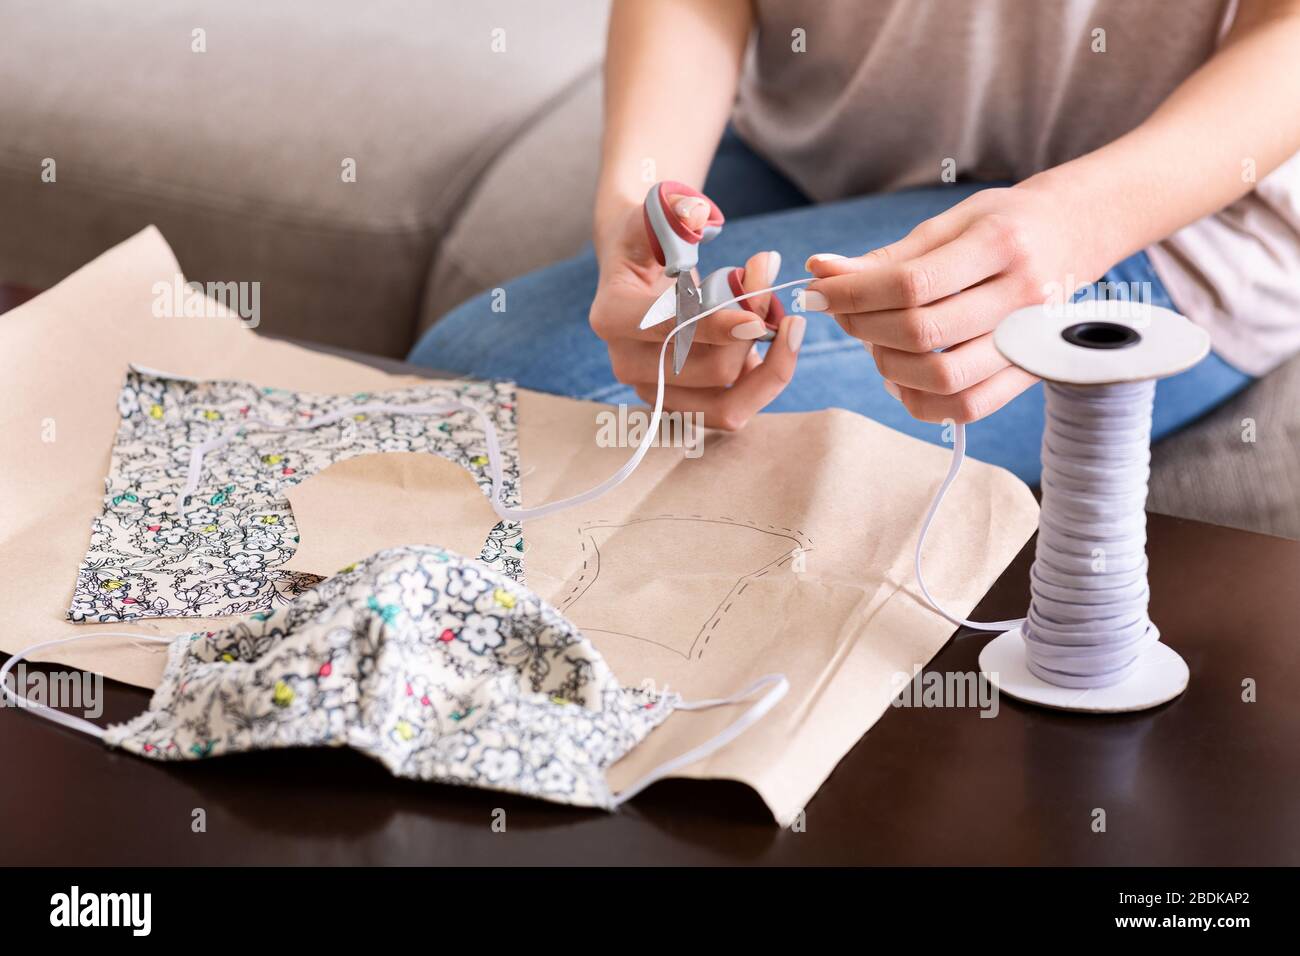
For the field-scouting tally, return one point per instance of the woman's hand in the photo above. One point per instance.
(947, 284)
(724, 377)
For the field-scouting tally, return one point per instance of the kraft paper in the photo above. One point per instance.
(365, 504)
(786, 547)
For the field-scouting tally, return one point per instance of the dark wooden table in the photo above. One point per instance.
(1207, 779)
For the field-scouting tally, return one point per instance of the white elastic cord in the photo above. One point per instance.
(778, 685)
(49, 713)
(493, 445)
(1087, 623)
(958, 456)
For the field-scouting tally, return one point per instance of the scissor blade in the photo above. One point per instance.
(662, 309)
(689, 305)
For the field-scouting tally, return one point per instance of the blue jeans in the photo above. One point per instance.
(542, 341)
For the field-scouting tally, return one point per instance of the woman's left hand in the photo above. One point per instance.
(946, 286)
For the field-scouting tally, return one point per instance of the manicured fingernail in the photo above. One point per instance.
(686, 206)
(814, 301)
(892, 389)
(749, 331)
(773, 266)
(821, 257)
(798, 326)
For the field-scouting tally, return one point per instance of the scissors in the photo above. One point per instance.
(677, 248)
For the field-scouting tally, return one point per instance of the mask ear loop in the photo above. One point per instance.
(50, 713)
(778, 687)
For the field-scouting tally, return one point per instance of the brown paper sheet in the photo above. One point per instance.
(365, 504)
(786, 547)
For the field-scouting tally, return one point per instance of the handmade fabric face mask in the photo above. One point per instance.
(439, 667)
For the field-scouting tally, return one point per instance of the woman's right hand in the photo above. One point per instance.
(724, 376)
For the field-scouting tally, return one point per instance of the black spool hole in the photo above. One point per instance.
(1101, 335)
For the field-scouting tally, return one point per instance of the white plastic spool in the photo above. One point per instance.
(1094, 343)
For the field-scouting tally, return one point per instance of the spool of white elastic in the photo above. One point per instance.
(1087, 644)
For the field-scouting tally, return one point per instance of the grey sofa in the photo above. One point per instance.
(474, 129)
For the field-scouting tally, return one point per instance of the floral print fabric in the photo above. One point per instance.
(223, 557)
(438, 667)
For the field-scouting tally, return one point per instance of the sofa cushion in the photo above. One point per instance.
(1240, 465)
(532, 207)
(237, 153)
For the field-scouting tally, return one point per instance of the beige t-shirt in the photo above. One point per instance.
(885, 91)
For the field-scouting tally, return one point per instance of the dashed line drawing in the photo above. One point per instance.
(791, 541)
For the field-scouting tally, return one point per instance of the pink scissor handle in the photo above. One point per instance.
(727, 283)
(676, 245)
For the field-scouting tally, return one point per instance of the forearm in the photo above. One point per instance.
(671, 72)
(1237, 114)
